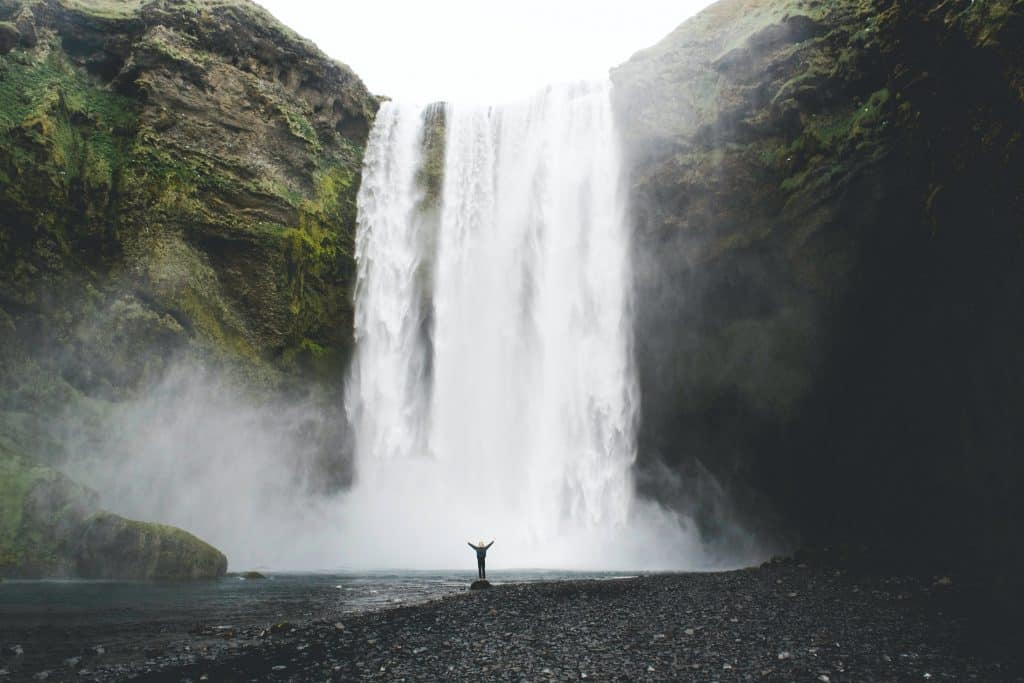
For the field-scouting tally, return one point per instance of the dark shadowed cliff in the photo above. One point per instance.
(177, 184)
(830, 264)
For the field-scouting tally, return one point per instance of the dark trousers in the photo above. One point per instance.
(480, 568)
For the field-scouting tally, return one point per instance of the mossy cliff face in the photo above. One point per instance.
(177, 184)
(187, 170)
(829, 256)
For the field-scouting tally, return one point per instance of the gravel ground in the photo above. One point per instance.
(780, 622)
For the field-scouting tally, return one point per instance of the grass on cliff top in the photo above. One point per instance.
(107, 9)
(125, 9)
(119, 10)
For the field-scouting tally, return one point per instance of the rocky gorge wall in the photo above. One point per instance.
(177, 185)
(829, 256)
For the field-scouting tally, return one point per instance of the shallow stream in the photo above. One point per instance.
(106, 622)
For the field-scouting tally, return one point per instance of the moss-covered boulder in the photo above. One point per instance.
(830, 269)
(112, 547)
(53, 527)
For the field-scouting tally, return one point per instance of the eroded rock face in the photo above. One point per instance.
(196, 158)
(177, 185)
(829, 268)
(10, 36)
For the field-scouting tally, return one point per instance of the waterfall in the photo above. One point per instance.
(492, 391)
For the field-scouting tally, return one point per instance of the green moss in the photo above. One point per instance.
(163, 42)
(107, 9)
(116, 548)
(35, 85)
(38, 505)
(820, 155)
(16, 481)
(62, 139)
(300, 126)
(216, 325)
(430, 175)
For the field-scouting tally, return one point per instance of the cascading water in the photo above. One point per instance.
(492, 391)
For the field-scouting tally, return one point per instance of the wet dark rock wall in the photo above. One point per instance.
(830, 261)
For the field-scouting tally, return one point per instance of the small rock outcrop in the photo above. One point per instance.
(112, 547)
(480, 584)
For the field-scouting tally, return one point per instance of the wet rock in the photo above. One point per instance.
(10, 36)
(253, 576)
(112, 547)
(480, 584)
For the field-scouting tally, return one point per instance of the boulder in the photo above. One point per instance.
(113, 547)
(480, 584)
(53, 527)
(10, 36)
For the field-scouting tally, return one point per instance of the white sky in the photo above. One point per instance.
(479, 50)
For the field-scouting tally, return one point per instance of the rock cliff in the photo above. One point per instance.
(184, 172)
(829, 258)
(177, 181)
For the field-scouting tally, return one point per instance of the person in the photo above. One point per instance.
(481, 555)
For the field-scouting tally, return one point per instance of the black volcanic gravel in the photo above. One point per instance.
(780, 622)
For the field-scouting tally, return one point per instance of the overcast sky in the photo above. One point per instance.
(480, 50)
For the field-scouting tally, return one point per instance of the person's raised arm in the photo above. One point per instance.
(471, 545)
(489, 544)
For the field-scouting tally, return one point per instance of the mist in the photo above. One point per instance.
(197, 451)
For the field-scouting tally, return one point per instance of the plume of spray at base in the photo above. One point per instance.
(196, 451)
(496, 396)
